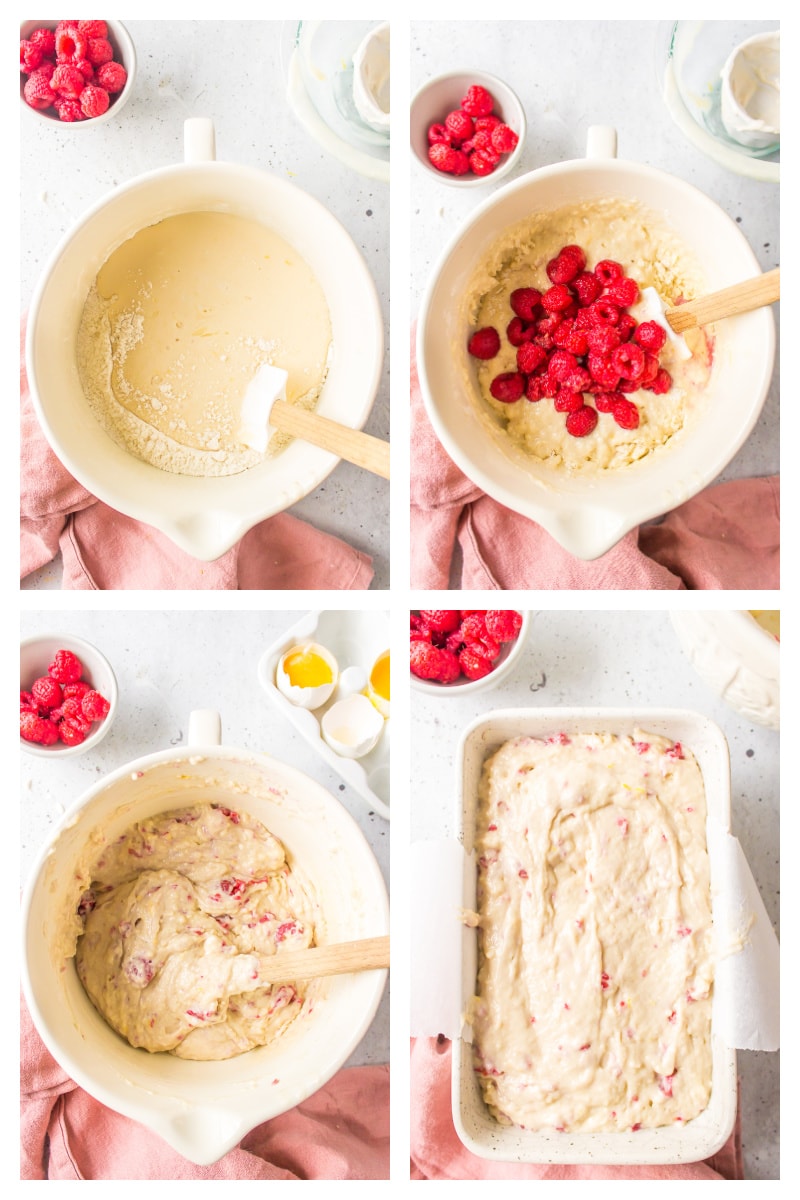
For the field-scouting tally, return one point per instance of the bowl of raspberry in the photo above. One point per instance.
(68, 695)
(460, 651)
(467, 128)
(75, 72)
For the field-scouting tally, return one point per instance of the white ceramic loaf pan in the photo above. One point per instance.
(476, 1127)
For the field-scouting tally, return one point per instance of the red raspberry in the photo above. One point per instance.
(94, 706)
(603, 312)
(626, 414)
(557, 298)
(581, 422)
(625, 326)
(45, 39)
(608, 271)
(486, 124)
(27, 702)
(473, 627)
(479, 164)
(30, 57)
(71, 44)
(443, 157)
(72, 710)
(504, 139)
(483, 141)
(623, 292)
(568, 263)
(45, 71)
(86, 69)
(71, 735)
(94, 100)
(441, 620)
(650, 336)
(68, 108)
(602, 371)
(459, 125)
(46, 692)
(473, 664)
(431, 662)
(661, 384)
(602, 339)
(517, 331)
(567, 401)
(561, 364)
(436, 132)
(568, 337)
(66, 667)
(34, 728)
(508, 386)
(484, 343)
(478, 102)
(534, 388)
(99, 51)
(529, 357)
(604, 401)
(67, 81)
(587, 287)
(650, 369)
(525, 301)
(503, 624)
(93, 29)
(75, 691)
(578, 380)
(37, 92)
(628, 359)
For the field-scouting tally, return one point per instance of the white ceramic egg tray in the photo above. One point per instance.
(355, 639)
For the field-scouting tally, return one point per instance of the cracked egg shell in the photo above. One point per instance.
(307, 675)
(351, 727)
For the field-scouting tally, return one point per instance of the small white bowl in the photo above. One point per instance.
(35, 656)
(124, 53)
(509, 656)
(442, 95)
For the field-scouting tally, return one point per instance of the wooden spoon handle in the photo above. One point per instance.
(351, 444)
(368, 954)
(742, 297)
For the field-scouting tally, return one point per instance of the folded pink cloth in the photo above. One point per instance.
(341, 1132)
(726, 537)
(438, 1153)
(103, 550)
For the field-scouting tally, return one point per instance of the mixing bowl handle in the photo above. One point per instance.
(205, 727)
(601, 141)
(199, 143)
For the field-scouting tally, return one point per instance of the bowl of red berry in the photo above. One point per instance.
(67, 695)
(460, 651)
(75, 72)
(467, 128)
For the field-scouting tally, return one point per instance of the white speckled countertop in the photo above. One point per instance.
(232, 72)
(623, 660)
(167, 664)
(570, 75)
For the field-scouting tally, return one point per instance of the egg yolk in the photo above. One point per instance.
(306, 669)
(380, 677)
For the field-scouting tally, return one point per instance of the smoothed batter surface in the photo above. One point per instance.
(179, 320)
(650, 253)
(593, 1006)
(179, 910)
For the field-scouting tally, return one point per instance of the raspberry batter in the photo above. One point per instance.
(179, 910)
(593, 1007)
(179, 320)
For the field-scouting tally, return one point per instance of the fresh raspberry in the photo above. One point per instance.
(37, 92)
(441, 620)
(94, 100)
(578, 380)
(71, 44)
(70, 734)
(524, 302)
(473, 664)
(604, 401)
(486, 124)
(66, 667)
(75, 691)
(604, 312)
(67, 81)
(443, 157)
(557, 298)
(45, 70)
(72, 710)
(567, 401)
(473, 627)
(508, 386)
(431, 662)
(459, 125)
(484, 343)
(95, 707)
(68, 108)
(581, 422)
(567, 265)
(534, 388)
(483, 141)
(46, 692)
(587, 287)
(561, 363)
(623, 292)
(99, 51)
(34, 728)
(30, 57)
(461, 165)
(86, 69)
(454, 641)
(27, 702)
(436, 132)
(518, 331)
(529, 357)
(602, 371)
(603, 339)
(662, 382)
(626, 414)
(93, 29)
(628, 359)
(504, 139)
(650, 369)
(650, 336)
(479, 164)
(478, 102)
(608, 271)
(503, 624)
(625, 326)
(45, 39)
(569, 337)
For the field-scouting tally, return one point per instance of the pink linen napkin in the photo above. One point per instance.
(726, 537)
(341, 1132)
(438, 1153)
(104, 550)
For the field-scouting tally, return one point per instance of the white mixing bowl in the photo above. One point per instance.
(203, 1109)
(204, 517)
(588, 516)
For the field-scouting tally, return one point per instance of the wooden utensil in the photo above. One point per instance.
(368, 954)
(741, 297)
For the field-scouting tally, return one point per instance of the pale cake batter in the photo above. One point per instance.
(593, 1006)
(175, 327)
(179, 910)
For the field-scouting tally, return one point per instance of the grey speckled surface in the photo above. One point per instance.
(630, 659)
(191, 69)
(167, 664)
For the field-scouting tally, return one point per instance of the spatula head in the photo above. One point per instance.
(267, 385)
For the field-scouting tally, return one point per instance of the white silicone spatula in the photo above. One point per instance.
(728, 302)
(265, 406)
